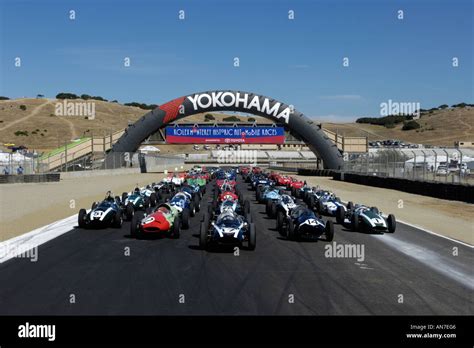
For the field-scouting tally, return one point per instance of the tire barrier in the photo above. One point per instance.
(300, 125)
(451, 191)
(29, 178)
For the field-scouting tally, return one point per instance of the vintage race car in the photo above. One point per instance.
(187, 205)
(282, 205)
(164, 220)
(175, 179)
(235, 205)
(328, 205)
(303, 223)
(228, 229)
(136, 200)
(103, 214)
(367, 219)
(265, 193)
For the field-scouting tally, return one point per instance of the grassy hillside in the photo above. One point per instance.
(36, 126)
(32, 122)
(442, 127)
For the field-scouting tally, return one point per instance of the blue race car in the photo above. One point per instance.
(227, 229)
(102, 214)
(302, 223)
(187, 205)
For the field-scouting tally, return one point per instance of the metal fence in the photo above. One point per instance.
(440, 165)
(16, 165)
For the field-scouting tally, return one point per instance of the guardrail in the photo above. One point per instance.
(451, 191)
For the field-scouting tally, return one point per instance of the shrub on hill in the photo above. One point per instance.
(4, 98)
(23, 107)
(410, 125)
(209, 117)
(142, 105)
(383, 121)
(231, 119)
(66, 96)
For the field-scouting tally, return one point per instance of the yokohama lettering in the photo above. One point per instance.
(239, 100)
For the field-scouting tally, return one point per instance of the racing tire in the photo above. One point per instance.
(391, 223)
(311, 202)
(192, 209)
(153, 200)
(81, 218)
(176, 228)
(355, 222)
(268, 207)
(329, 231)
(290, 230)
(273, 210)
(279, 221)
(146, 202)
(135, 224)
(252, 242)
(248, 217)
(210, 210)
(197, 204)
(185, 218)
(117, 220)
(246, 206)
(129, 211)
(340, 213)
(203, 242)
(320, 207)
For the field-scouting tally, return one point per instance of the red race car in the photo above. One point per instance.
(295, 183)
(283, 180)
(228, 195)
(164, 220)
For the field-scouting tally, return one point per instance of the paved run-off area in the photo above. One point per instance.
(25, 207)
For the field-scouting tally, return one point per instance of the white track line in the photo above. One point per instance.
(431, 232)
(437, 234)
(15, 246)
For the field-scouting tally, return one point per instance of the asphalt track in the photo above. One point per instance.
(91, 264)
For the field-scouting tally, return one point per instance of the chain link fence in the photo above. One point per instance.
(440, 165)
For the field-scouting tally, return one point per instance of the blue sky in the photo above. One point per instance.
(296, 61)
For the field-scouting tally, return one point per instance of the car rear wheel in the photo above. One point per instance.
(197, 204)
(391, 223)
(329, 231)
(246, 206)
(81, 218)
(117, 220)
(290, 229)
(129, 211)
(203, 236)
(185, 218)
(176, 227)
(340, 212)
(135, 231)
(355, 222)
(252, 242)
(279, 220)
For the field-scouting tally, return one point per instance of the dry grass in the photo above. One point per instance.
(448, 125)
(442, 128)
